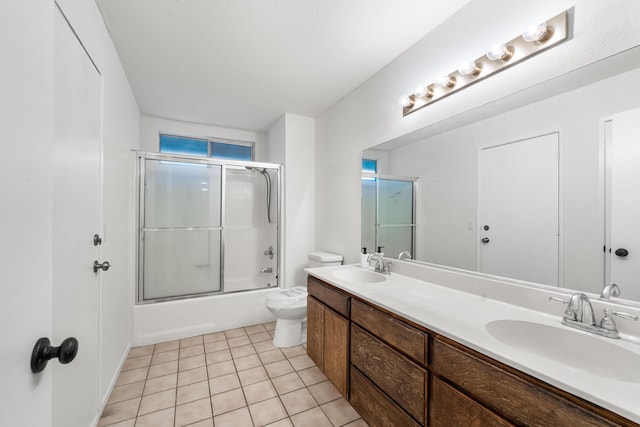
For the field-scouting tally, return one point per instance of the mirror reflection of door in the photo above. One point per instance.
(518, 233)
(622, 145)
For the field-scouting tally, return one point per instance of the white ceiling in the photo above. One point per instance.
(243, 63)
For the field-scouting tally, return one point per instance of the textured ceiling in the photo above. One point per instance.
(243, 63)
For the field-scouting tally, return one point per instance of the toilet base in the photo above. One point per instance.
(290, 333)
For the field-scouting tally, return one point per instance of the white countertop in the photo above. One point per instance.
(462, 316)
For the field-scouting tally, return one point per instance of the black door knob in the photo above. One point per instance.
(97, 266)
(485, 240)
(43, 352)
(621, 252)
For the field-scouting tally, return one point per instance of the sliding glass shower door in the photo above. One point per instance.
(205, 227)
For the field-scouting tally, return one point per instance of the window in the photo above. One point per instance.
(369, 166)
(220, 149)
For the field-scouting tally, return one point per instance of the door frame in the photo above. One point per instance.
(483, 145)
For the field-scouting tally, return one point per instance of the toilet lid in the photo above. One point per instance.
(288, 296)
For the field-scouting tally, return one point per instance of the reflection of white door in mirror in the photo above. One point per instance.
(623, 151)
(519, 239)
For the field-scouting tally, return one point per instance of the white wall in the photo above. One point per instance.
(371, 114)
(26, 84)
(152, 127)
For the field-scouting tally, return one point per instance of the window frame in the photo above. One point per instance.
(210, 142)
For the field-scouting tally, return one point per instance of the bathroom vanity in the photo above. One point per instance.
(386, 347)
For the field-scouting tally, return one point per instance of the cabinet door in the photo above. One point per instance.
(450, 408)
(315, 332)
(336, 350)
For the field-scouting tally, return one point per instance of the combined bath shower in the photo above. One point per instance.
(267, 179)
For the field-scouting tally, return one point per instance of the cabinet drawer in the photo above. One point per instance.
(331, 298)
(517, 400)
(374, 406)
(400, 378)
(450, 408)
(410, 341)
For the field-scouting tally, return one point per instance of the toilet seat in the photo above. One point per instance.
(287, 297)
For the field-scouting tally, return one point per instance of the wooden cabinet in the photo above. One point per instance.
(398, 373)
(328, 334)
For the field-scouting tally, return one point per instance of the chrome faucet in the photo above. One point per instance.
(380, 266)
(579, 314)
(404, 255)
(611, 290)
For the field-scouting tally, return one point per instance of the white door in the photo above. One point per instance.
(76, 218)
(624, 211)
(518, 232)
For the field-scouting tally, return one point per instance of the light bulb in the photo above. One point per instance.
(535, 33)
(406, 102)
(423, 91)
(469, 68)
(445, 81)
(498, 51)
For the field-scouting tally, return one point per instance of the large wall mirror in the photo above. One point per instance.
(542, 187)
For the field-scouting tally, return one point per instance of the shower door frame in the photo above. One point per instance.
(141, 157)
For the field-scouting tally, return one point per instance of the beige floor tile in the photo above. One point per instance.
(297, 350)
(258, 392)
(190, 392)
(238, 418)
(162, 418)
(301, 362)
(267, 412)
(247, 362)
(271, 356)
(203, 423)
(312, 376)
(126, 423)
(287, 383)
(224, 383)
(157, 401)
(120, 411)
(357, 423)
(165, 368)
(220, 369)
(155, 385)
(270, 326)
(216, 336)
(263, 346)
(192, 412)
(254, 329)
(194, 350)
(282, 423)
(238, 341)
(313, 417)
(188, 342)
(242, 351)
(192, 362)
(136, 362)
(278, 369)
(167, 346)
(163, 357)
(259, 337)
(253, 375)
(192, 376)
(141, 351)
(213, 346)
(228, 401)
(298, 401)
(340, 412)
(234, 333)
(126, 392)
(218, 356)
(132, 376)
(324, 392)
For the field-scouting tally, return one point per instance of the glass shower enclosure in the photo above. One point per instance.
(205, 226)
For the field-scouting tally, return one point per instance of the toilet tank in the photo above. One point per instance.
(324, 259)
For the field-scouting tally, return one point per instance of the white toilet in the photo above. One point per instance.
(290, 305)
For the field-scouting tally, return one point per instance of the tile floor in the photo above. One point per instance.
(233, 378)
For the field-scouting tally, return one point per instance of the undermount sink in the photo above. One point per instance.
(359, 276)
(577, 350)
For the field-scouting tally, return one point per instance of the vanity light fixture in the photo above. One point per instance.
(534, 40)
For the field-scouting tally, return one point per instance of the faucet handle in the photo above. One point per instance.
(607, 321)
(569, 313)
